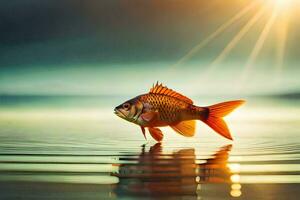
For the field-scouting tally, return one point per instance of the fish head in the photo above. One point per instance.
(130, 110)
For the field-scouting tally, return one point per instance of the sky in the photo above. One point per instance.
(76, 47)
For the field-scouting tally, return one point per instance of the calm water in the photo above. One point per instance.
(75, 148)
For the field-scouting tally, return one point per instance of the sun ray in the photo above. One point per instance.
(213, 35)
(257, 48)
(238, 37)
(282, 33)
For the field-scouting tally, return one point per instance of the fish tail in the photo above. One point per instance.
(215, 114)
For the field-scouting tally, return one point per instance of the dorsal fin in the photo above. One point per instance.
(160, 89)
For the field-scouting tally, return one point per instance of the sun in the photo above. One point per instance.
(283, 3)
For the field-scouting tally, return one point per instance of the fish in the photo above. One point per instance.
(162, 107)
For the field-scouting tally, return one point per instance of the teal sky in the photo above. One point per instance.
(122, 47)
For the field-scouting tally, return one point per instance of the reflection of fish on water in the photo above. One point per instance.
(177, 173)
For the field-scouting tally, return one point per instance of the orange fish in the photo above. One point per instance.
(165, 107)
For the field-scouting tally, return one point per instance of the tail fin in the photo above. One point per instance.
(217, 112)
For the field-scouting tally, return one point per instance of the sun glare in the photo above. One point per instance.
(283, 3)
(274, 14)
(280, 4)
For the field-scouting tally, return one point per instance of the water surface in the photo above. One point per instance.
(75, 148)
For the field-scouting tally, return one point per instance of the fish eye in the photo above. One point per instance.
(126, 106)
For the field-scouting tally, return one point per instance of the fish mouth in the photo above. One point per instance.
(119, 113)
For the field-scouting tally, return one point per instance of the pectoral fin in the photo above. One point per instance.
(149, 116)
(156, 133)
(185, 128)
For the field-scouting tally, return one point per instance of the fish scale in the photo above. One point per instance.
(169, 108)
